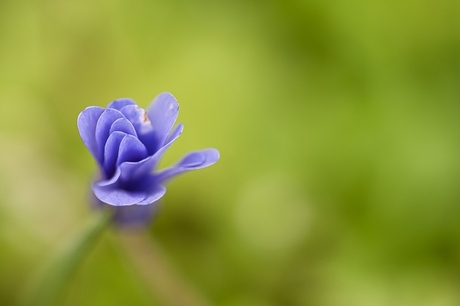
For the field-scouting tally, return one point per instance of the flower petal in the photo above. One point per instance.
(111, 149)
(131, 150)
(192, 161)
(86, 122)
(112, 192)
(175, 133)
(120, 103)
(109, 192)
(123, 125)
(163, 113)
(108, 117)
(134, 170)
(139, 119)
(154, 193)
(117, 197)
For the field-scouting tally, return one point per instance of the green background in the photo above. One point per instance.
(337, 121)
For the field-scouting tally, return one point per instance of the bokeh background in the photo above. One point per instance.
(337, 121)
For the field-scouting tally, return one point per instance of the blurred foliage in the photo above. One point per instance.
(338, 126)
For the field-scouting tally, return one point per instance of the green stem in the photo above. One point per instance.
(48, 285)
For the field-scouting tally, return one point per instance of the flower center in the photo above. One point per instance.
(146, 118)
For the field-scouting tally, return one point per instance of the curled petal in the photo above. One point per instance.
(108, 117)
(135, 170)
(120, 103)
(86, 122)
(163, 114)
(117, 197)
(139, 119)
(154, 193)
(109, 192)
(192, 161)
(123, 125)
(112, 146)
(112, 191)
(131, 150)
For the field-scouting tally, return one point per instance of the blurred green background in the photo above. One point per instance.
(338, 127)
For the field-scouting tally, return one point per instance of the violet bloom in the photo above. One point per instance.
(127, 143)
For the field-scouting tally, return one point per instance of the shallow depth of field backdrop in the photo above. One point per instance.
(338, 124)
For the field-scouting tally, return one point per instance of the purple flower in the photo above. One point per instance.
(127, 143)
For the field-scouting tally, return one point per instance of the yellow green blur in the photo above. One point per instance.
(338, 124)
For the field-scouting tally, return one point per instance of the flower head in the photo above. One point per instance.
(128, 142)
